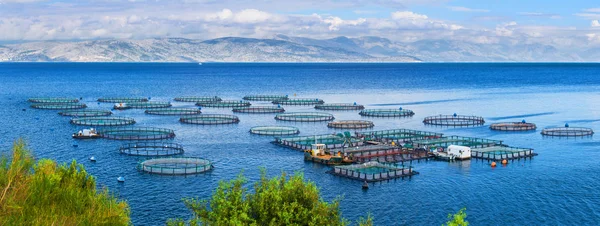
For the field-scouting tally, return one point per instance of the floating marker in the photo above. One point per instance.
(92, 159)
(121, 179)
(566, 124)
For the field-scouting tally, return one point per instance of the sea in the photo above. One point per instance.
(560, 186)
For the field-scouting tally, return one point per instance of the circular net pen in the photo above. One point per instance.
(351, 124)
(53, 100)
(454, 120)
(86, 113)
(265, 97)
(122, 99)
(197, 99)
(103, 121)
(513, 126)
(137, 133)
(225, 104)
(142, 105)
(568, 132)
(386, 113)
(173, 111)
(58, 106)
(339, 107)
(275, 130)
(151, 149)
(305, 117)
(299, 101)
(259, 110)
(175, 166)
(210, 119)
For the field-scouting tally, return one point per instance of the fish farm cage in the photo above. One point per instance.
(444, 142)
(305, 116)
(387, 113)
(299, 101)
(398, 135)
(175, 165)
(86, 113)
(339, 107)
(122, 99)
(568, 132)
(351, 124)
(173, 111)
(513, 126)
(374, 171)
(52, 100)
(454, 120)
(305, 142)
(142, 105)
(210, 119)
(275, 130)
(137, 133)
(58, 106)
(501, 153)
(225, 104)
(265, 97)
(259, 110)
(197, 99)
(103, 121)
(151, 149)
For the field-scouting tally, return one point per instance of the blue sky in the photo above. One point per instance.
(569, 24)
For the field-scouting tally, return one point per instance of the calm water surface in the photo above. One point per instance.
(558, 187)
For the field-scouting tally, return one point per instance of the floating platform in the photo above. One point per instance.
(53, 100)
(86, 113)
(175, 166)
(122, 99)
(137, 133)
(225, 104)
(513, 126)
(305, 142)
(454, 120)
(265, 97)
(58, 106)
(384, 153)
(197, 99)
(373, 171)
(351, 124)
(386, 113)
(457, 140)
(142, 105)
(305, 117)
(299, 101)
(398, 135)
(259, 110)
(151, 149)
(275, 130)
(210, 119)
(501, 153)
(339, 107)
(568, 132)
(173, 111)
(103, 121)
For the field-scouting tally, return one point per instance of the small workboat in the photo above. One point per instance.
(92, 159)
(121, 106)
(365, 185)
(86, 134)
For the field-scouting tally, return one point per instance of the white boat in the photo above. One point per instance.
(86, 134)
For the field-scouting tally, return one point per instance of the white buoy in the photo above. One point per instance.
(92, 159)
(121, 179)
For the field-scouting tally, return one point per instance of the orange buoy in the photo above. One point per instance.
(493, 164)
(504, 162)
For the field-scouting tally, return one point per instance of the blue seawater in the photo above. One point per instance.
(558, 187)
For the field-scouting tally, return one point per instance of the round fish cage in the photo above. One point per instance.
(351, 124)
(339, 107)
(86, 113)
(225, 104)
(173, 111)
(568, 132)
(454, 120)
(53, 100)
(274, 130)
(103, 121)
(305, 116)
(151, 149)
(387, 113)
(265, 97)
(210, 119)
(513, 126)
(299, 101)
(58, 106)
(175, 166)
(197, 99)
(137, 133)
(122, 99)
(259, 110)
(142, 105)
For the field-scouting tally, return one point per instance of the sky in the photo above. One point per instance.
(568, 24)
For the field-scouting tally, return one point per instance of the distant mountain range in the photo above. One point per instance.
(282, 48)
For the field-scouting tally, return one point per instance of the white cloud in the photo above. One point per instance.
(408, 15)
(465, 9)
(595, 23)
(536, 14)
(251, 16)
(593, 10)
(506, 29)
